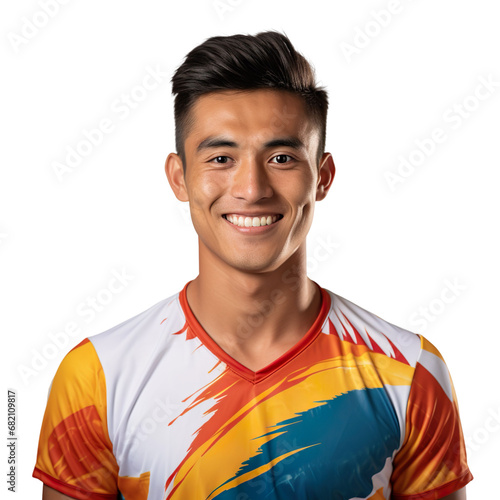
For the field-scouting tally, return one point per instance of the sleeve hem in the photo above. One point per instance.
(440, 491)
(72, 491)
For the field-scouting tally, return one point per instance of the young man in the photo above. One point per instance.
(253, 381)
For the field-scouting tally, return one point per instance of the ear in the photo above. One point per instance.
(175, 176)
(326, 173)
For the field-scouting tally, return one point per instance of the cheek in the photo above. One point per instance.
(204, 190)
(303, 192)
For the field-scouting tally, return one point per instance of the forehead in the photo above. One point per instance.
(252, 115)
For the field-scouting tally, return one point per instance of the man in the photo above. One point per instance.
(253, 381)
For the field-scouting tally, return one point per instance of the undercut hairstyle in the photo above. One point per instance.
(267, 60)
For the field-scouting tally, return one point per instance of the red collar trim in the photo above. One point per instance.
(275, 365)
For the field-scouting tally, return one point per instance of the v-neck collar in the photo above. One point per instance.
(237, 367)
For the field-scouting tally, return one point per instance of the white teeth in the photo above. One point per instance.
(251, 221)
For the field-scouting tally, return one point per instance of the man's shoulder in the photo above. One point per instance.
(356, 324)
(142, 329)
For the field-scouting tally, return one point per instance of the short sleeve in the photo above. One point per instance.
(74, 452)
(432, 461)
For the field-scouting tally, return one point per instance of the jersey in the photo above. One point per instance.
(154, 409)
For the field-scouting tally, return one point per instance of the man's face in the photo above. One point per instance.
(251, 177)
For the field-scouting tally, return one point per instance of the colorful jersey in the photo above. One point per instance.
(153, 408)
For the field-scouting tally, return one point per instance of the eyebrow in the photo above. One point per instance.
(217, 142)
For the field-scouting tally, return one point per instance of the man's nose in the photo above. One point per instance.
(251, 181)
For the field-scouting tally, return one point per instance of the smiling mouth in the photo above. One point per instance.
(243, 221)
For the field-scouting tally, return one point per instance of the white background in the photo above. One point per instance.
(394, 251)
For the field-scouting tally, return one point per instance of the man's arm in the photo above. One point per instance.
(74, 447)
(457, 495)
(52, 494)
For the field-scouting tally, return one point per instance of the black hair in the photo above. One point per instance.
(267, 60)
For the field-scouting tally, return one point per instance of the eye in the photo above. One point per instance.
(281, 159)
(220, 159)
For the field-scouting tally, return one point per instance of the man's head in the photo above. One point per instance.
(267, 60)
(251, 160)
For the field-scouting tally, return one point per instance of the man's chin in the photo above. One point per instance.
(253, 264)
(240, 260)
(254, 267)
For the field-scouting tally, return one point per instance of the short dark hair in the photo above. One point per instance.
(267, 60)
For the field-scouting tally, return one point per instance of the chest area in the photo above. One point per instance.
(327, 430)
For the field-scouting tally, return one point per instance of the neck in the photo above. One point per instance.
(247, 312)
